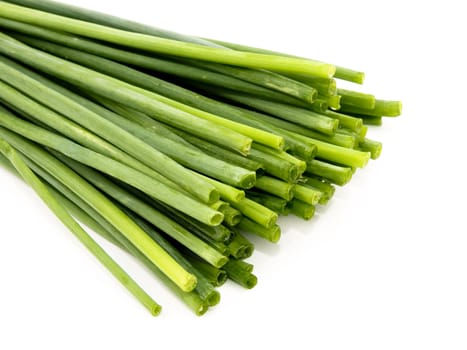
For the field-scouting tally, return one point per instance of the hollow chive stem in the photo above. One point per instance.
(275, 187)
(272, 234)
(307, 195)
(151, 214)
(148, 102)
(89, 217)
(301, 209)
(346, 121)
(166, 46)
(324, 187)
(334, 173)
(346, 141)
(239, 275)
(112, 167)
(386, 108)
(231, 216)
(293, 114)
(214, 275)
(108, 131)
(204, 288)
(256, 212)
(240, 247)
(298, 163)
(274, 203)
(356, 99)
(333, 102)
(62, 214)
(372, 146)
(145, 244)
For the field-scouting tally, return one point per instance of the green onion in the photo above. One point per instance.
(384, 108)
(301, 209)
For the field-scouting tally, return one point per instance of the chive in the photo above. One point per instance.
(204, 288)
(106, 208)
(301, 209)
(275, 187)
(272, 202)
(307, 195)
(240, 247)
(272, 234)
(293, 114)
(221, 153)
(349, 75)
(327, 190)
(215, 276)
(113, 168)
(356, 99)
(228, 193)
(231, 216)
(63, 215)
(151, 214)
(240, 276)
(256, 212)
(108, 131)
(386, 108)
(363, 131)
(274, 165)
(333, 101)
(374, 147)
(150, 103)
(298, 163)
(346, 121)
(325, 87)
(242, 264)
(377, 121)
(166, 46)
(269, 80)
(334, 173)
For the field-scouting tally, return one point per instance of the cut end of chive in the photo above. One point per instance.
(156, 310)
(251, 281)
(331, 71)
(189, 283)
(201, 310)
(247, 252)
(359, 78)
(216, 219)
(248, 181)
(213, 298)
(275, 235)
(221, 261)
(214, 196)
(221, 278)
(293, 174)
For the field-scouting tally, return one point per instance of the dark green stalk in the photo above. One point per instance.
(64, 216)
(242, 264)
(334, 173)
(301, 209)
(166, 46)
(272, 202)
(376, 121)
(300, 164)
(156, 106)
(108, 131)
(240, 275)
(275, 187)
(385, 108)
(256, 212)
(356, 99)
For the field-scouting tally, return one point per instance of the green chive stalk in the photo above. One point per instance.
(240, 275)
(356, 99)
(375, 121)
(327, 190)
(274, 203)
(240, 247)
(275, 187)
(231, 216)
(345, 121)
(148, 212)
(272, 234)
(63, 215)
(215, 276)
(386, 108)
(108, 131)
(148, 102)
(374, 147)
(166, 46)
(334, 173)
(307, 194)
(301, 209)
(256, 212)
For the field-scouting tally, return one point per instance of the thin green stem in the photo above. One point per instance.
(301, 209)
(275, 187)
(63, 215)
(334, 173)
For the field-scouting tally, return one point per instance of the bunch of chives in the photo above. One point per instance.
(174, 148)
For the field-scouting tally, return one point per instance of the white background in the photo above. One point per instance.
(382, 267)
